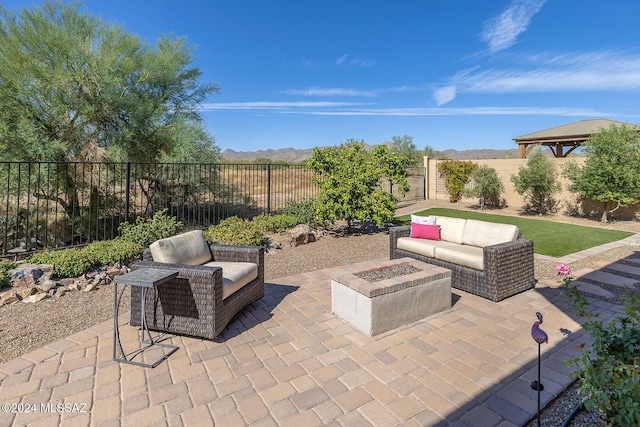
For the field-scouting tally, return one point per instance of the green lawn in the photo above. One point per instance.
(549, 238)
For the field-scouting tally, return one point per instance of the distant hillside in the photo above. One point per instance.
(294, 155)
(287, 154)
(480, 154)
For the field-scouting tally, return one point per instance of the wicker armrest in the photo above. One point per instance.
(510, 266)
(394, 234)
(199, 276)
(231, 253)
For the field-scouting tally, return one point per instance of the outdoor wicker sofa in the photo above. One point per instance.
(214, 283)
(486, 259)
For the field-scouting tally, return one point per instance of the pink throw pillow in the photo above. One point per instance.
(422, 231)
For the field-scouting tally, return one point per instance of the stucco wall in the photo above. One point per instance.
(505, 168)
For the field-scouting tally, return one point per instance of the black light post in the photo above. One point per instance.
(538, 336)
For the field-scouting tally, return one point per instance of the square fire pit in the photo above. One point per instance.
(378, 296)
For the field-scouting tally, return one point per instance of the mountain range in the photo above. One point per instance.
(294, 155)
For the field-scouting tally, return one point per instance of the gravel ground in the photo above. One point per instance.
(26, 327)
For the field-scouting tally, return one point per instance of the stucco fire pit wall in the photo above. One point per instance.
(377, 307)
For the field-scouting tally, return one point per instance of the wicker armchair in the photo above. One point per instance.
(192, 303)
(508, 267)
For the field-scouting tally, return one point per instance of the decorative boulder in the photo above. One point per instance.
(300, 235)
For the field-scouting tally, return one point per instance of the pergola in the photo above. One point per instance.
(562, 140)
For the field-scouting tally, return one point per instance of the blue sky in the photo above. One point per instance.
(456, 74)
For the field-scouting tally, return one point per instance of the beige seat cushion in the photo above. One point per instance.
(482, 233)
(421, 246)
(468, 256)
(234, 275)
(451, 229)
(188, 248)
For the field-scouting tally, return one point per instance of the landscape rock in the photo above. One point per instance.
(116, 270)
(8, 297)
(31, 283)
(300, 235)
(36, 297)
(47, 285)
(25, 293)
(27, 274)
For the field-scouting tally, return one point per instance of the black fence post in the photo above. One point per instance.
(269, 188)
(127, 197)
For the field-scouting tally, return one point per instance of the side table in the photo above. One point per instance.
(144, 278)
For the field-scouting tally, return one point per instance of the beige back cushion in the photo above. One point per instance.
(188, 248)
(482, 233)
(451, 229)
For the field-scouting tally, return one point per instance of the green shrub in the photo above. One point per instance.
(610, 367)
(146, 231)
(537, 182)
(65, 262)
(487, 186)
(5, 266)
(109, 252)
(305, 212)
(234, 231)
(275, 223)
(456, 174)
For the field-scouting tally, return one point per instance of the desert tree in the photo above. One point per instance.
(486, 186)
(74, 88)
(404, 146)
(538, 182)
(349, 178)
(432, 153)
(611, 171)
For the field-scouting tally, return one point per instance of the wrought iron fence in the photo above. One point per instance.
(63, 204)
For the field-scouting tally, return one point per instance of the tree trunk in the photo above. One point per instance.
(604, 218)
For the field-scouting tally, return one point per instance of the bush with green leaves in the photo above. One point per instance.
(457, 174)
(274, 223)
(349, 178)
(486, 185)
(108, 252)
(304, 211)
(610, 368)
(5, 266)
(147, 231)
(537, 181)
(65, 262)
(235, 231)
(611, 171)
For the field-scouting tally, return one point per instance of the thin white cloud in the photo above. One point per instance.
(596, 71)
(358, 109)
(471, 111)
(444, 95)
(354, 62)
(273, 105)
(502, 31)
(341, 91)
(582, 72)
(361, 62)
(319, 91)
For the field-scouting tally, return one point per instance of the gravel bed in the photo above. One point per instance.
(387, 272)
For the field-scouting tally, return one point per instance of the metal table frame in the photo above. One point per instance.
(144, 278)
